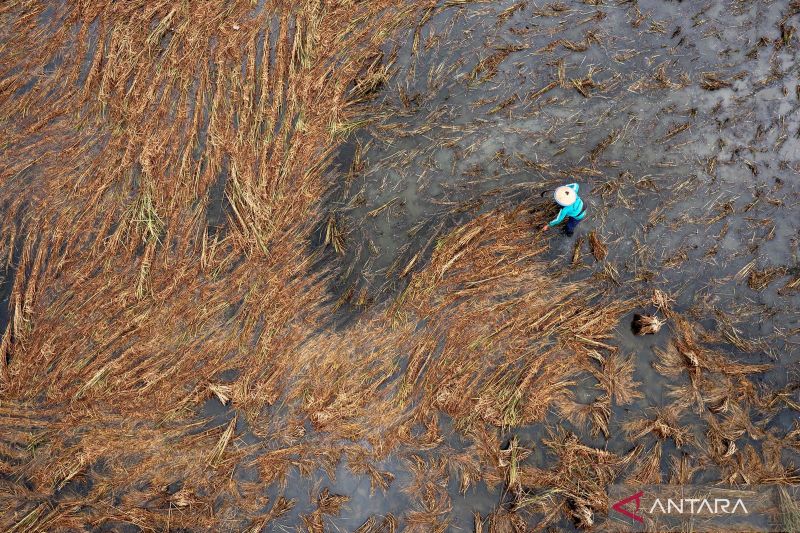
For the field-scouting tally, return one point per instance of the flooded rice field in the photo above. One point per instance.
(687, 185)
(680, 122)
(280, 268)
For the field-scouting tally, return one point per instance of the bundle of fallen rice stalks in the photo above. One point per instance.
(733, 411)
(393, 371)
(168, 360)
(646, 324)
(575, 486)
(157, 213)
(482, 333)
(161, 263)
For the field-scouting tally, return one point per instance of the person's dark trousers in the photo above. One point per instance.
(572, 223)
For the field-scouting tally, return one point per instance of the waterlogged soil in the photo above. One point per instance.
(680, 122)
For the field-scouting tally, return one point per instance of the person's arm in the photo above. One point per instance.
(561, 215)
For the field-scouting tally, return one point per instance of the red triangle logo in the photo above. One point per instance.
(618, 507)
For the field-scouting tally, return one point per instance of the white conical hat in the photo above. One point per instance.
(565, 196)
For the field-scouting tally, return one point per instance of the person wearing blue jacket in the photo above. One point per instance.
(572, 208)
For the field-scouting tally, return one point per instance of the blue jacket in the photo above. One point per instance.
(575, 210)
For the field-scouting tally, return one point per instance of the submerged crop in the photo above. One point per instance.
(272, 265)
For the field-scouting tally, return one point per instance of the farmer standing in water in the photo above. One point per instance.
(571, 208)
